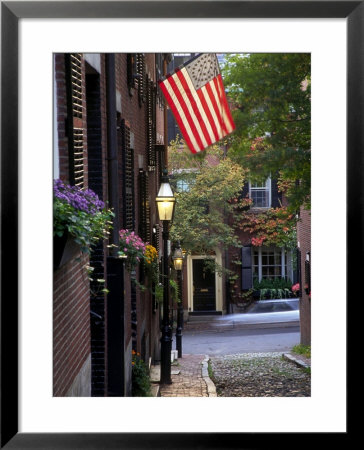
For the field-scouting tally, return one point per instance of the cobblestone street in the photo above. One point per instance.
(259, 375)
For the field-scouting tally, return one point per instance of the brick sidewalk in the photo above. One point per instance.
(187, 378)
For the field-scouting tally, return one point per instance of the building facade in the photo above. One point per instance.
(109, 136)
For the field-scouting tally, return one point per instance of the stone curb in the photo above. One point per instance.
(211, 389)
(155, 389)
(201, 327)
(296, 360)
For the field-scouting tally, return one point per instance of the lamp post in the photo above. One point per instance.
(178, 263)
(165, 202)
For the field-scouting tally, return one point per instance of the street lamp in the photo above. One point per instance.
(165, 203)
(178, 263)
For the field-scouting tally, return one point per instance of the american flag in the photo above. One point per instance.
(195, 93)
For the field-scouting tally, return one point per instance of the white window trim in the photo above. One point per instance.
(268, 184)
(289, 273)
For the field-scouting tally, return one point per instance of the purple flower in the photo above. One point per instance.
(83, 200)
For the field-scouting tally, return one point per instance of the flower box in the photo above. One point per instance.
(64, 249)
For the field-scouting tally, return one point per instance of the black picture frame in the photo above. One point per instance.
(11, 12)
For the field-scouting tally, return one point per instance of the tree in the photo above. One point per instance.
(271, 95)
(210, 181)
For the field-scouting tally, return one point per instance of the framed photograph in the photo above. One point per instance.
(30, 33)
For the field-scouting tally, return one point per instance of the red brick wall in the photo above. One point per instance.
(71, 324)
(304, 239)
(71, 297)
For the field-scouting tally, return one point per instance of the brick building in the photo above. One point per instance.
(262, 262)
(109, 119)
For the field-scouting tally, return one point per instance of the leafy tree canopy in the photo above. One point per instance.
(210, 181)
(271, 95)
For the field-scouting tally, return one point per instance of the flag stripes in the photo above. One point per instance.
(203, 115)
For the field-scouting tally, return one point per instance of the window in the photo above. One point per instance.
(183, 185)
(184, 179)
(271, 263)
(260, 193)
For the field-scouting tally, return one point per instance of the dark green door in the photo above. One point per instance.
(204, 292)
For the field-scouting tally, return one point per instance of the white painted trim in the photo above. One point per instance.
(268, 185)
(218, 281)
(282, 250)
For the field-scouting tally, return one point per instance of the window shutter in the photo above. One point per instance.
(245, 190)
(160, 157)
(246, 268)
(159, 74)
(141, 77)
(75, 131)
(151, 125)
(128, 178)
(276, 195)
(144, 209)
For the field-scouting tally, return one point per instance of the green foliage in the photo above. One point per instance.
(276, 226)
(273, 288)
(88, 225)
(201, 211)
(174, 291)
(141, 386)
(158, 292)
(274, 293)
(275, 283)
(301, 349)
(272, 94)
(98, 284)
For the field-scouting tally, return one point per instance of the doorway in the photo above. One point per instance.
(204, 287)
